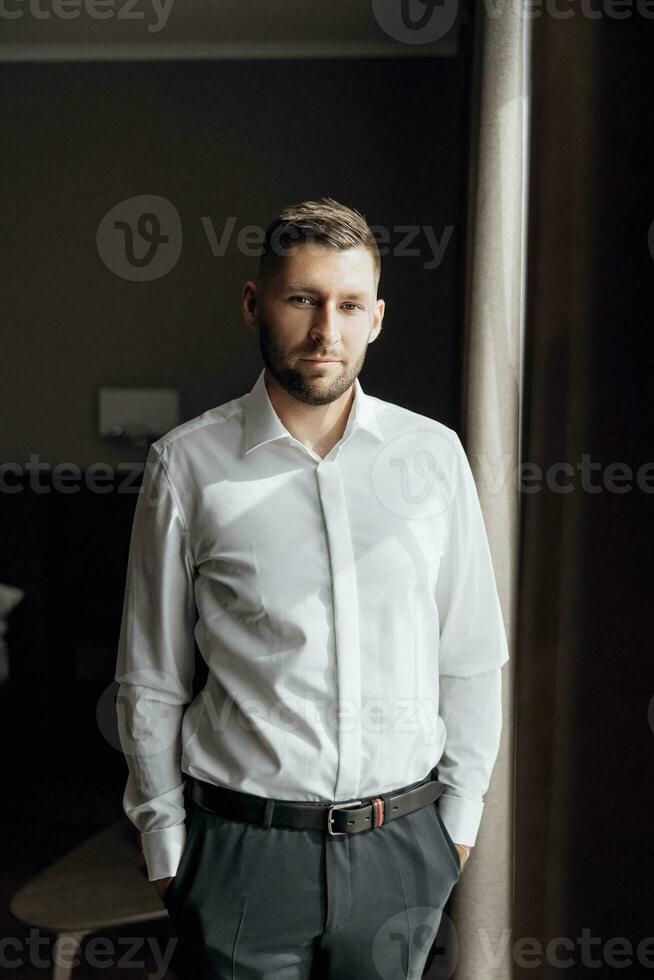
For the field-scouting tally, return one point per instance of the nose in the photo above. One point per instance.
(324, 328)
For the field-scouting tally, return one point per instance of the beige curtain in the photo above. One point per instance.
(482, 902)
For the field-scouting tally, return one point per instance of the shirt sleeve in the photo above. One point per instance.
(155, 667)
(472, 649)
(472, 710)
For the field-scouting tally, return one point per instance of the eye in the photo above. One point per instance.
(293, 298)
(353, 306)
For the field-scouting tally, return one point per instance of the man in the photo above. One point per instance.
(312, 807)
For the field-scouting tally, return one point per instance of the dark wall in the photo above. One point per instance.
(613, 737)
(218, 140)
(585, 672)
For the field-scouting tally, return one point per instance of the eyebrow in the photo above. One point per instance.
(308, 288)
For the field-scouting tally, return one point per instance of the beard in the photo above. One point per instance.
(310, 391)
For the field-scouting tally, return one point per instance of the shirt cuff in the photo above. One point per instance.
(162, 850)
(461, 817)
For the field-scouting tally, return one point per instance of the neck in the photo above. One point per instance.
(319, 427)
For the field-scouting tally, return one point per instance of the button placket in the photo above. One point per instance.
(346, 626)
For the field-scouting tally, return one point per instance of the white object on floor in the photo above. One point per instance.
(99, 885)
(10, 596)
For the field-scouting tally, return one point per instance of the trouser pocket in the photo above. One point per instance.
(180, 883)
(448, 840)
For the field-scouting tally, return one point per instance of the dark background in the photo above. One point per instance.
(612, 739)
(218, 139)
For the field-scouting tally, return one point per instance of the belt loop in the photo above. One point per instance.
(268, 812)
(386, 798)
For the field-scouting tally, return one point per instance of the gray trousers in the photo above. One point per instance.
(277, 903)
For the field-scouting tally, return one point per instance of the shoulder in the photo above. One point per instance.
(396, 421)
(209, 425)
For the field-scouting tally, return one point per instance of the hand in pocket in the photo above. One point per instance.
(162, 885)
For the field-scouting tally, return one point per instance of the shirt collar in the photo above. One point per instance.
(262, 424)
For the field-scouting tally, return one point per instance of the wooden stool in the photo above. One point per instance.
(98, 885)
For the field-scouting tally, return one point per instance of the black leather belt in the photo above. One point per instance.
(337, 819)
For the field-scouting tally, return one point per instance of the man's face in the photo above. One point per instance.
(319, 305)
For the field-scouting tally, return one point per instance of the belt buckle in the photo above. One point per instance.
(339, 806)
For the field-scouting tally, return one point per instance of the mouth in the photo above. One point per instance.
(319, 360)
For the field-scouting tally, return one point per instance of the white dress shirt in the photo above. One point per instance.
(346, 609)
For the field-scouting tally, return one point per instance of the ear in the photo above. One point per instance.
(250, 305)
(377, 317)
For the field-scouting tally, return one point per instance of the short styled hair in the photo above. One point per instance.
(326, 222)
